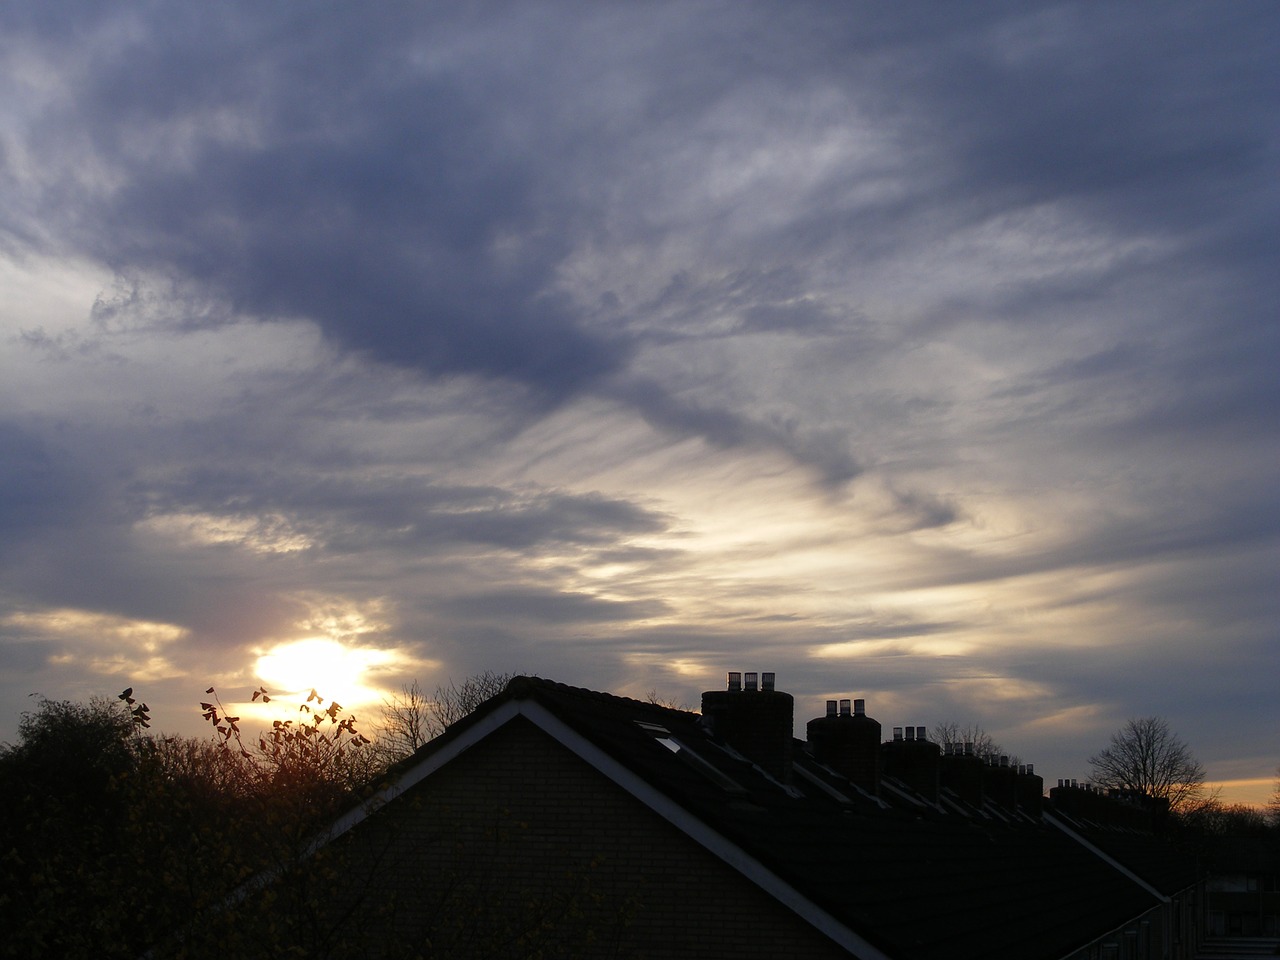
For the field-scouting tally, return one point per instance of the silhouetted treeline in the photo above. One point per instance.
(115, 840)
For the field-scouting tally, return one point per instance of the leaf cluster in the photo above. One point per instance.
(320, 752)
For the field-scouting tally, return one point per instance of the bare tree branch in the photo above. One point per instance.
(984, 745)
(453, 702)
(410, 718)
(1273, 805)
(404, 726)
(1146, 756)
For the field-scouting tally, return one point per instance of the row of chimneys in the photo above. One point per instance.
(756, 720)
(1119, 808)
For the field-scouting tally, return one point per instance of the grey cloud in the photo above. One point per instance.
(826, 451)
(416, 216)
(390, 207)
(532, 607)
(1111, 542)
(385, 512)
(917, 511)
(777, 299)
(23, 655)
(803, 316)
(39, 488)
(1120, 120)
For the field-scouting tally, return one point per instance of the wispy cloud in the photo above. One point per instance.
(927, 352)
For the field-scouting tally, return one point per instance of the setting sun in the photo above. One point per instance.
(335, 671)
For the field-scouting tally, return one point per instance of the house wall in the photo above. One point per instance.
(518, 848)
(1244, 905)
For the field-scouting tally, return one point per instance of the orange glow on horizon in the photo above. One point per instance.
(1256, 792)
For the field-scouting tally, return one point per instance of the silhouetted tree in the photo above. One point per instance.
(64, 836)
(661, 700)
(454, 701)
(72, 749)
(410, 718)
(404, 724)
(113, 837)
(1273, 806)
(1215, 818)
(1146, 756)
(320, 752)
(984, 745)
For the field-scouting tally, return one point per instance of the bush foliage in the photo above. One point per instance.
(117, 838)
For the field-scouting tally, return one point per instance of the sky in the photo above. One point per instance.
(922, 353)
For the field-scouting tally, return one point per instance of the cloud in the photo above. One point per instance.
(526, 608)
(411, 241)
(38, 488)
(597, 341)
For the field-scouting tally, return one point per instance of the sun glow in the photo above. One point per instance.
(334, 670)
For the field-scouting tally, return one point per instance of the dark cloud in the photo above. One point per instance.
(329, 179)
(1115, 542)
(39, 488)
(721, 427)
(1139, 118)
(347, 515)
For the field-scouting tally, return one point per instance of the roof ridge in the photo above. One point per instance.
(521, 686)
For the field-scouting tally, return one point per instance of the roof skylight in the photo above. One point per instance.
(668, 740)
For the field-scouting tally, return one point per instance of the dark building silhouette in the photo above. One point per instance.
(599, 826)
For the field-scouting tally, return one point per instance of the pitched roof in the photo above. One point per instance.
(895, 876)
(1150, 859)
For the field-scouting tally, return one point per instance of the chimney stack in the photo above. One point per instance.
(914, 760)
(1029, 790)
(848, 742)
(1131, 810)
(1001, 783)
(961, 771)
(755, 719)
